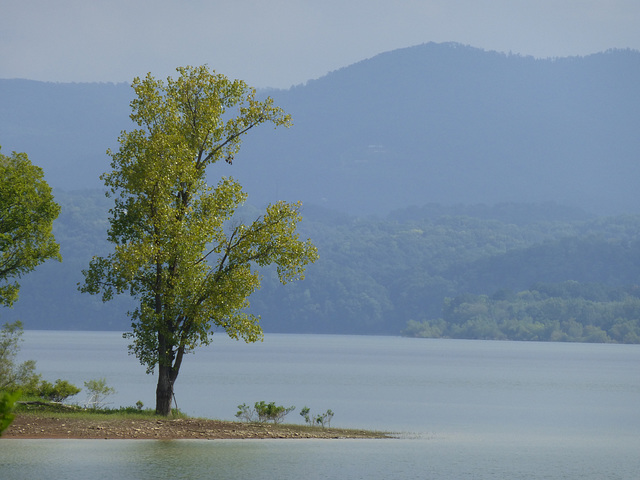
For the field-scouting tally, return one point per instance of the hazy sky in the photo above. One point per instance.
(280, 43)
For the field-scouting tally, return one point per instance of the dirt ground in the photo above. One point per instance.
(32, 427)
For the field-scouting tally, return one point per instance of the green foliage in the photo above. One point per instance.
(375, 274)
(175, 250)
(27, 212)
(246, 413)
(7, 403)
(23, 377)
(52, 290)
(12, 376)
(98, 391)
(568, 311)
(263, 412)
(322, 419)
(58, 392)
(132, 411)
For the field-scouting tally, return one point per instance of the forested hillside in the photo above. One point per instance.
(476, 271)
(567, 311)
(451, 192)
(434, 123)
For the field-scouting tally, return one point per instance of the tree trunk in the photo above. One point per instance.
(164, 391)
(168, 369)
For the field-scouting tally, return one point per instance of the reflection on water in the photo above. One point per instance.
(321, 459)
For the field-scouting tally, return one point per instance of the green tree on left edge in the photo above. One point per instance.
(27, 212)
(13, 376)
(7, 401)
(175, 249)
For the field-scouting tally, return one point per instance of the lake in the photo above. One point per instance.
(460, 409)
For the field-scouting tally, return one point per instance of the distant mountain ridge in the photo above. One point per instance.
(453, 124)
(440, 123)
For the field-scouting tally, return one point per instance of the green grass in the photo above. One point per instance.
(70, 410)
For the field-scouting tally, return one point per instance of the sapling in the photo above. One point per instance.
(245, 413)
(98, 391)
(323, 419)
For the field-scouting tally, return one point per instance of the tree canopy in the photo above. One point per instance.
(27, 212)
(177, 250)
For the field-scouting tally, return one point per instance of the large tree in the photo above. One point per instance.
(27, 212)
(177, 249)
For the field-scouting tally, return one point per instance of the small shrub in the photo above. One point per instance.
(263, 412)
(270, 412)
(57, 392)
(98, 391)
(323, 419)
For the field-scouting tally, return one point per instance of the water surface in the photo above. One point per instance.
(463, 409)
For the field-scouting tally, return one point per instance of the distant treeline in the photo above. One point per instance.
(565, 312)
(426, 271)
(387, 275)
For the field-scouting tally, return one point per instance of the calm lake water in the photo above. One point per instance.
(461, 409)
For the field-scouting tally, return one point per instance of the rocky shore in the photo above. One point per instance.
(34, 427)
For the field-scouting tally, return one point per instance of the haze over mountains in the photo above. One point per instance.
(439, 123)
(453, 124)
(427, 173)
